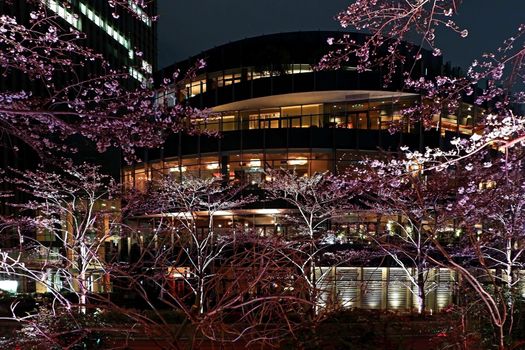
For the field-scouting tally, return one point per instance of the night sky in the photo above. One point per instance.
(187, 27)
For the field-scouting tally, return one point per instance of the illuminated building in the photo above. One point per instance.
(127, 41)
(274, 110)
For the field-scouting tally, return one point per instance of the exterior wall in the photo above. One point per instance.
(313, 136)
(273, 110)
(384, 288)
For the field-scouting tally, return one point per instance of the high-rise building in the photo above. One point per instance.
(125, 38)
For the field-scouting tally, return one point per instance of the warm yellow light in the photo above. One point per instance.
(178, 272)
(178, 169)
(395, 300)
(212, 166)
(268, 211)
(254, 163)
(223, 213)
(414, 167)
(298, 161)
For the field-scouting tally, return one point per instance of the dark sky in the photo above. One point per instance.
(187, 27)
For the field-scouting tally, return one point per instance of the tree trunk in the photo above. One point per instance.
(421, 291)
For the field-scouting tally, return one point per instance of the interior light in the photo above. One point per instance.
(254, 163)
(395, 300)
(212, 166)
(140, 12)
(9, 286)
(178, 169)
(104, 26)
(298, 161)
(69, 17)
(268, 211)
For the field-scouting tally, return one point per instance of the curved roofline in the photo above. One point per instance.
(311, 97)
(276, 48)
(276, 34)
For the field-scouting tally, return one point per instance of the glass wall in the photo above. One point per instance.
(247, 167)
(214, 80)
(365, 115)
(368, 115)
(464, 120)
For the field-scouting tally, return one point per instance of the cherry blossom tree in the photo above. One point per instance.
(231, 283)
(100, 106)
(490, 206)
(484, 199)
(456, 215)
(72, 222)
(399, 191)
(317, 201)
(399, 31)
(194, 204)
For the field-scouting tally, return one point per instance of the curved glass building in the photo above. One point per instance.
(274, 110)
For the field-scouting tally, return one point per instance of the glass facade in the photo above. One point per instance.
(213, 80)
(248, 164)
(249, 167)
(365, 115)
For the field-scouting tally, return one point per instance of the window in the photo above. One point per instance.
(68, 16)
(93, 17)
(141, 14)
(270, 119)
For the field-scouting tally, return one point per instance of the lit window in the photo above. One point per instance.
(105, 26)
(140, 12)
(137, 75)
(69, 17)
